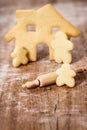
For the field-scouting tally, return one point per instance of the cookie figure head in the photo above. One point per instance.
(65, 76)
(62, 47)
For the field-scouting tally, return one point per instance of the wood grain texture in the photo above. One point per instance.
(51, 108)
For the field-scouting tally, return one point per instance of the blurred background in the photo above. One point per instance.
(33, 2)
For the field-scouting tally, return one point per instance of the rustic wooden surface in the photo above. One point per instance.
(51, 108)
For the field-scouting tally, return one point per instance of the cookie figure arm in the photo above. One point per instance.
(69, 45)
(73, 73)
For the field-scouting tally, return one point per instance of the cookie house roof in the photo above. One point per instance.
(53, 18)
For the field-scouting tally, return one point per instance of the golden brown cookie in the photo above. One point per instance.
(44, 20)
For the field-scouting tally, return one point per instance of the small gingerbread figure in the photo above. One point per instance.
(62, 47)
(65, 76)
(18, 54)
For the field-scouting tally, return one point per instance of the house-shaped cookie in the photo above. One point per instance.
(44, 20)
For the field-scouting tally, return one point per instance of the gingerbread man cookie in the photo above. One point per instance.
(65, 76)
(62, 47)
(20, 56)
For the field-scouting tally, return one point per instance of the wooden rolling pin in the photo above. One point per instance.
(50, 78)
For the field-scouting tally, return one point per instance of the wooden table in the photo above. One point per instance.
(48, 108)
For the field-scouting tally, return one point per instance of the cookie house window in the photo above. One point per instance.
(31, 28)
(54, 30)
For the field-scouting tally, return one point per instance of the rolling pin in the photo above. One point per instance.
(50, 78)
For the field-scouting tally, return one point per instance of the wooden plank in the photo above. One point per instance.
(51, 108)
